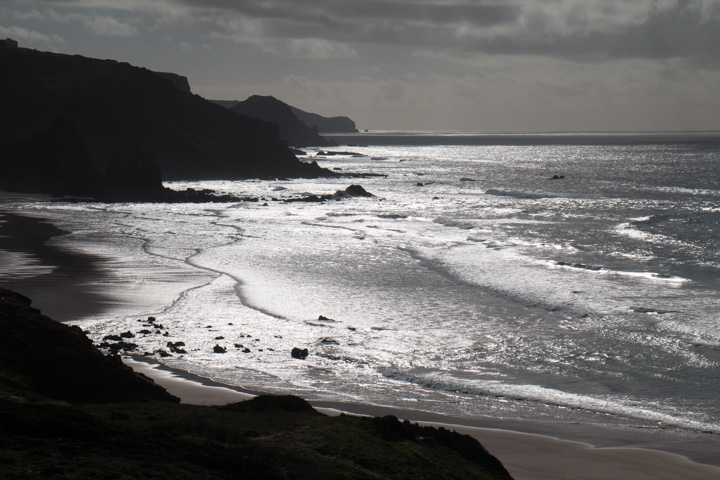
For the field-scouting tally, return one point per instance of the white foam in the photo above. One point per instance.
(614, 405)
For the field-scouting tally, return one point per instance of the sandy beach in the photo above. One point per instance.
(62, 292)
(526, 455)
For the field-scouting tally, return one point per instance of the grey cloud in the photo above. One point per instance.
(681, 31)
(582, 30)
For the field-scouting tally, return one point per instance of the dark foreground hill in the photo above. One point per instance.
(83, 430)
(107, 107)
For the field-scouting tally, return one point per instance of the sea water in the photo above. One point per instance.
(567, 278)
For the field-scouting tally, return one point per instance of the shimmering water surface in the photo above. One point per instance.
(473, 283)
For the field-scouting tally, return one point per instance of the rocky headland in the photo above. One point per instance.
(291, 128)
(326, 124)
(67, 119)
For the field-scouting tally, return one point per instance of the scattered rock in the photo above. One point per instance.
(127, 334)
(219, 349)
(352, 191)
(349, 192)
(121, 345)
(557, 177)
(220, 338)
(175, 347)
(300, 353)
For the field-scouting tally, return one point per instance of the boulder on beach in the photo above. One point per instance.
(300, 353)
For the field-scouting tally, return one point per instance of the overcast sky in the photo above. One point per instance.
(484, 65)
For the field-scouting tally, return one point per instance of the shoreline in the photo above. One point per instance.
(527, 456)
(61, 293)
(69, 294)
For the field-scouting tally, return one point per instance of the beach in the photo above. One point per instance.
(57, 279)
(526, 456)
(71, 286)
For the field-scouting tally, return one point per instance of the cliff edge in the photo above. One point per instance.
(112, 107)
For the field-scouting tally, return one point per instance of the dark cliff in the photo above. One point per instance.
(291, 128)
(326, 124)
(179, 81)
(112, 106)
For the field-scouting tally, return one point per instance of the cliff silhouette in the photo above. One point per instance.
(293, 130)
(107, 107)
(325, 124)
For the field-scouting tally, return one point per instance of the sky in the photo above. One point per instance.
(441, 65)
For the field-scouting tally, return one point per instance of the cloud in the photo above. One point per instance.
(311, 48)
(574, 29)
(109, 27)
(580, 30)
(103, 25)
(30, 36)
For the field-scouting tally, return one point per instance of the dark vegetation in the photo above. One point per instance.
(67, 411)
(80, 126)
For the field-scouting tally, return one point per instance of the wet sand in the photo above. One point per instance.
(62, 291)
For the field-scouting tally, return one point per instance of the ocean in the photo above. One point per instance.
(558, 278)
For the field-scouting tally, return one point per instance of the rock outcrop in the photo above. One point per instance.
(39, 356)
(179, 81)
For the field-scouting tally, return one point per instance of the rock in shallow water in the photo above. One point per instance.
(300, 353)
